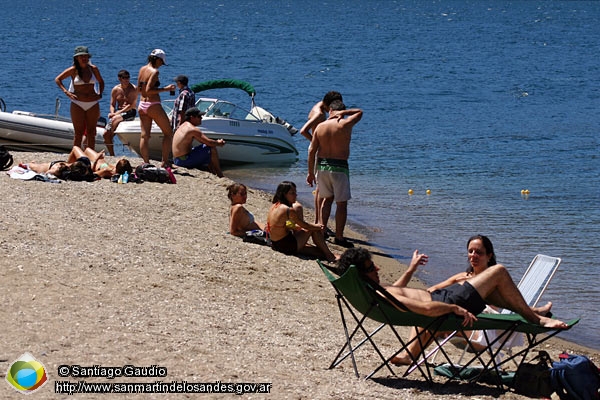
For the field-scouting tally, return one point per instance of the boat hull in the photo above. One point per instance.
(25, 131)
(246, 141)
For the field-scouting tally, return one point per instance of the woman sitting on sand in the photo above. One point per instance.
(240, 219)
(289, 232)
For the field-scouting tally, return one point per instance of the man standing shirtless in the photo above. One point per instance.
(123, 99)
(331, 143)
(316, 115)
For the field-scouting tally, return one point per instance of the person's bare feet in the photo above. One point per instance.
(552, 323)
(401, 359)
(543, 310)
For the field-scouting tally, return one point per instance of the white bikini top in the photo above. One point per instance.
(79, 81)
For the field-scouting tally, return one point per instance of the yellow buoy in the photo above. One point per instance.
(410, 192)
(428, 192)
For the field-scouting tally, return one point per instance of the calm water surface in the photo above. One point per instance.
(474, 100)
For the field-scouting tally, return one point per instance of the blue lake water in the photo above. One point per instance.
(474, 100)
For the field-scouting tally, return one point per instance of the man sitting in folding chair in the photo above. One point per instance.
(493, 286)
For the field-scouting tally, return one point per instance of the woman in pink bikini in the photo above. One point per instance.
(150, 108)
(85, 92)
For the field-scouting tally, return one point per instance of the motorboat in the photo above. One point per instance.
(27, 131)
(254, 136)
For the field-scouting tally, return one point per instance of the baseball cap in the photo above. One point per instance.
(193, 112)
(81, 51)
(181, 78)
(160, 54)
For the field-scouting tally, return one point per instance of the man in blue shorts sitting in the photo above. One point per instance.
(202, 156)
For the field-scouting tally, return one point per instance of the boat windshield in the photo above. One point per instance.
(230, 110)
(202, 104)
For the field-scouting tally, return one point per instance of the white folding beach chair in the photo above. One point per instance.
(532, 286)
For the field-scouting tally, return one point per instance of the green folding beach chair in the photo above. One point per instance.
(361, 300)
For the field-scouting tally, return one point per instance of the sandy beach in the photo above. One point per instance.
(146, 274)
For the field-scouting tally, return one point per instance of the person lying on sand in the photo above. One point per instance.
(99, 164)
(493, 286)
(94, 160)
(54, 167)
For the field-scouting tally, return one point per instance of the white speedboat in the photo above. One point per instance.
(254, 136)
(27, 131)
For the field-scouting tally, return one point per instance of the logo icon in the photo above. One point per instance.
(26, 374)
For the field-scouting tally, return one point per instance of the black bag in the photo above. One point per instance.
(149, 173)
(533, 379)
(6, 159)
(257, 236)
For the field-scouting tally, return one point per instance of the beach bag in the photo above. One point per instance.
(150, 173)
(575, 377)
(6, 159)
(533, 379)
(257, 236)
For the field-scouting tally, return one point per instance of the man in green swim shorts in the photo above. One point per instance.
(331, 144)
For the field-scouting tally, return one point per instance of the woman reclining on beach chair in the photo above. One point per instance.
(480, 256)
(492, 286)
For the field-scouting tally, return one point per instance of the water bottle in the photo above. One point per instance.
(125, 177)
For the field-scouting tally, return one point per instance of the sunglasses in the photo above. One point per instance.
(370, 268)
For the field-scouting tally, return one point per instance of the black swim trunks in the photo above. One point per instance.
(128, 115)
(463, 295)
(287, 245)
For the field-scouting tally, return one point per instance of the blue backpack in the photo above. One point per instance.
(575, 377)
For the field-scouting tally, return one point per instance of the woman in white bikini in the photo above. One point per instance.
(85, 92)
(150, 108)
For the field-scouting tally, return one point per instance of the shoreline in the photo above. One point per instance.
(393, 267)
(107, 274)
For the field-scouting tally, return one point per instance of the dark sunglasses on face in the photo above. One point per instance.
(370, 268)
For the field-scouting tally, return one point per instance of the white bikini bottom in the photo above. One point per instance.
(85, 105)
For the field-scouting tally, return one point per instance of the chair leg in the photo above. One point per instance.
(368, 337)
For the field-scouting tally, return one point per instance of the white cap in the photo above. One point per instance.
(160, 54)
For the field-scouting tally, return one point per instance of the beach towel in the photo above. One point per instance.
(25, 174)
